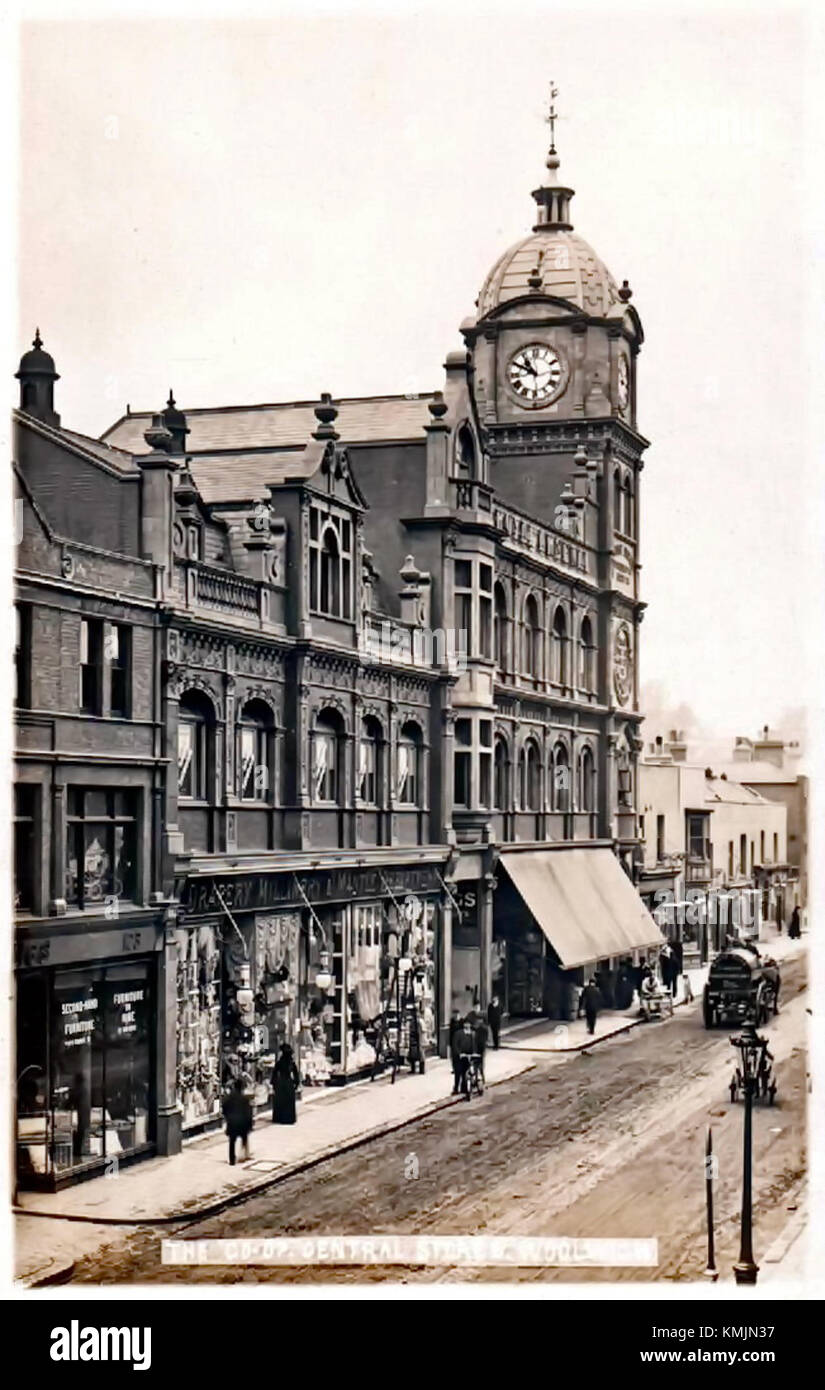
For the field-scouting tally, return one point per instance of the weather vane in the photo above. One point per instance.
(551, 116)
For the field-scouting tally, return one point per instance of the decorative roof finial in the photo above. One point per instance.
(37, 342)
(171, 401)
(552, 115)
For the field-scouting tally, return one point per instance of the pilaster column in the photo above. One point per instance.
(445, 975)
(485, 927)
(57, 867)
(168, 1136)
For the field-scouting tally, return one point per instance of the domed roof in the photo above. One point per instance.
(551, 261)
(36, 362)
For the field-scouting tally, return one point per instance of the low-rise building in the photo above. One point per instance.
(714, 854)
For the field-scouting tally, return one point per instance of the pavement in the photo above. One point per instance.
(53, 1230)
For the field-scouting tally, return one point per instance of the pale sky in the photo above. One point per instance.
(259, 210)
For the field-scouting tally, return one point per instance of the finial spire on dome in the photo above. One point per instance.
(553, 200)
(37, 341)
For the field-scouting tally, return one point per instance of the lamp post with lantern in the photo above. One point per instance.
(751, 1049)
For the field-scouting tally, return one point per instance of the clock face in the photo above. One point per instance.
(534, 374)
(624, 383)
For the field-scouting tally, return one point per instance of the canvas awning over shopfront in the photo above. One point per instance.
(584, 903)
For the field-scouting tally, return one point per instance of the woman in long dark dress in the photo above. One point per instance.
(285, 1081)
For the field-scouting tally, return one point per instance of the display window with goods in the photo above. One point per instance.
(199, 1024)
(85, 1059)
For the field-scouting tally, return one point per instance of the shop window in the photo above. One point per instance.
(560, 790)
(369, 748)
(587, 657)
(91, 666)
(198, 1071)
(25, 847)
(408, 786)
(196, 723)
(586, 781)
(327, 744)
(531, 660)
(254, 752)
(120, 666)
(101, 845)
(501, 789)
(559, 644)
(462, 763)
(500, 603)
(22, 654)
(330, 564)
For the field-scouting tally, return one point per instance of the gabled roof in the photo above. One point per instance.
(239, 429)
(755, 773)
(108, 454)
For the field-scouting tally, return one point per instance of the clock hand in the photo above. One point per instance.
(528, 365)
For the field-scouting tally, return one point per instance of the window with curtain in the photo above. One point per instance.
(254, 756)
(326, 756)
(408, 770)
(91, 665)
(559, 640)
(101, 844)
(560, 790)
(368, 761)
(195, 737)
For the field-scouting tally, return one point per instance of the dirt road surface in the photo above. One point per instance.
(610, 1143)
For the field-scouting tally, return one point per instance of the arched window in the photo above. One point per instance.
(618, 501)
(370, 771)
(500, 602)
(587, 656)
(627, 520)
(560, 789)
(559, 636)
(409, 766)
(327, 745)
(330, 599)
(587, 791)
(501, 777)
(465, 453)
(530, 777)
(531, 660)
(254, 759)
(196, 734)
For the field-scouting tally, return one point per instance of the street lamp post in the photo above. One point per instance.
(711, 1272)
(750, 1047)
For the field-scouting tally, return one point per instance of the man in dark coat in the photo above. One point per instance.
(494, 1019)
(237, 1112)
(589, 1004)
(480, 1036)
(453, 1032)
(465, 1047)
(794, 929)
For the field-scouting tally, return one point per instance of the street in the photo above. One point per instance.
(607, 1143)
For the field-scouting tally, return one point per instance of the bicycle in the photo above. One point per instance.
(472, 1082)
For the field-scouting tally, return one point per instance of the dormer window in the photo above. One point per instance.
(330, 564)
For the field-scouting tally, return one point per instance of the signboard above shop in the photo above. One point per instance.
(255, 892)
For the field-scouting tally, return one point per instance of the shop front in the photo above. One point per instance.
(86, 1055)
(298, 958)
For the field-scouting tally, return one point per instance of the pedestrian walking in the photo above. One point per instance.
(237, 1112)
(794, 928)
(480, 1035)
(494, 1019)
(589, 1003)
(666, 965)
(465, 1043)
(285, 1083)
(453, 1034)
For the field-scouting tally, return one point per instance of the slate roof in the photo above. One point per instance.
(239, 429)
